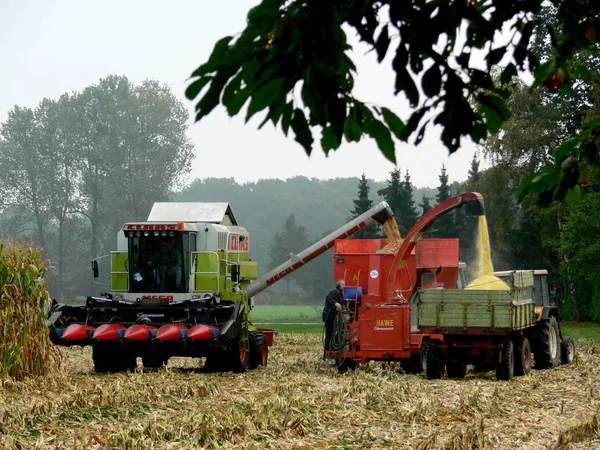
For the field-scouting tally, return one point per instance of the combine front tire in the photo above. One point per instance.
(112, 359)
(547, 344)
(259, 350)
(506, 368)
(435, 364)
(567, 350)
(523, 357)
(154, 361)
(102, 360)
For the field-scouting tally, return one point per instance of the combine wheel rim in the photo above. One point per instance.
(263, 355)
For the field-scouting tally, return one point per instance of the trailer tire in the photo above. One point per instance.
(435, 365)
(346, 364)
(418, 362)
(259, 350)
(523, 357)
(506, 368)
(567, 350)
(547, 344)
(456, 369)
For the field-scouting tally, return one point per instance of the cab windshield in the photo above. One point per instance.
(157, 264)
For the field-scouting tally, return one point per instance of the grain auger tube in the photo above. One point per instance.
(379, 213)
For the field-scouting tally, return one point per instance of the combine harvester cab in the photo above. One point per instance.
(177, 289)
(182, 284)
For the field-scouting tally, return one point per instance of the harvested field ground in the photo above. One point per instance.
(299, 402)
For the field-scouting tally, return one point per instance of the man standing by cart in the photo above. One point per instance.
(333, 304)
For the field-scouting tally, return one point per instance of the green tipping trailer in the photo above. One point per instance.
(494, 329)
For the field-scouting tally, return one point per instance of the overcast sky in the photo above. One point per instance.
(52, 47)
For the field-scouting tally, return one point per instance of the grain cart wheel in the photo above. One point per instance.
(506, 367)
(418, 362)
(547, 344)
(259, 350)
(345, 364)
(435, 364)
(523, 356)
(456, 369)
(567, 350)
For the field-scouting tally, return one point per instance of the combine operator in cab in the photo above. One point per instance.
(158, 263)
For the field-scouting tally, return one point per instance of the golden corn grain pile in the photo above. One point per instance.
(298, 402)
(393, 234)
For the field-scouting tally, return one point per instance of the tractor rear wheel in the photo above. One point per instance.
(435, 364)
(567, 350)
(259, 350)
(506, 368)
(456, 369)
(547, 344)
(523, 356)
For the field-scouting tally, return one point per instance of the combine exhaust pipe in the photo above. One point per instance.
(379, 213)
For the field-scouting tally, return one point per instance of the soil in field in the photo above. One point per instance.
(485, 279)
(297, 401)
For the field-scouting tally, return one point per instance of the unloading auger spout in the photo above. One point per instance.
(380, 213)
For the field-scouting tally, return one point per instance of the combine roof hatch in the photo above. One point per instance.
(215, 212)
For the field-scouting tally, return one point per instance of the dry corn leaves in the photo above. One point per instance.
(299, 402)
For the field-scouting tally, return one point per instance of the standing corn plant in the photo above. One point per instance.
(25, 348)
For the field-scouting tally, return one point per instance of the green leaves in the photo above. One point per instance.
(352, 129)
(330, 140)
(382, 136)
(494, 111)
(432, 81)
(382, 44)
(302, 131)
(269, 94)
(394, 123)
(216, 59)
